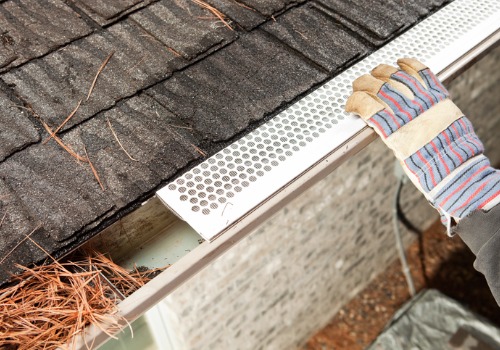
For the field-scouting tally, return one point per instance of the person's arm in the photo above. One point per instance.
(481, 232)
(437, 147)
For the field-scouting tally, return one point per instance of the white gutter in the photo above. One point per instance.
(447, 47)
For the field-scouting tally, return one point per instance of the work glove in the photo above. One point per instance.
(434, 142)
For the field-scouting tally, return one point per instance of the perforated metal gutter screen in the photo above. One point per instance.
(220, 191)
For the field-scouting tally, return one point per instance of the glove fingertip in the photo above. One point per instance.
(383, 72)
(412, 64)
(414, 68)
(362, 104)
(367, 83)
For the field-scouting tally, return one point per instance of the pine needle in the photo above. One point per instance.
(137, 64)
(52, 304)
(59, 141)
(176, 134)
(222, 17)
(63, 123)
(244, 6)
(18, 244)
(118, 140)
(199, 150)
(42, 249)
(101, 68)
(3, 218)
(49, 130)
(176, 53)
(94, 171)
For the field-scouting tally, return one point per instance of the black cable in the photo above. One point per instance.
(399, 241)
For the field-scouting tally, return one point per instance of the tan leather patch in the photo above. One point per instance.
(416, 134)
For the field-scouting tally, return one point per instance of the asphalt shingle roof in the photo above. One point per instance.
(180, 85)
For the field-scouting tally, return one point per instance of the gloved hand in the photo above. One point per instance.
(434, 142)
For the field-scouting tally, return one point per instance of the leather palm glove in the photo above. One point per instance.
(434, 142)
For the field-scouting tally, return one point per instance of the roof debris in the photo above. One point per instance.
(104, 63)
(61, 143)
(94, 171)
(118, 140)
(53, 303)
(52, 134)
(222, 17)
(20, 242)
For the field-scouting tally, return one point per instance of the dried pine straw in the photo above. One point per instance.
(53, 133)
(68, 149)
(199, 150)
(104, 63)
(62, 144)
(176, 53)
(18, 244)
(124, 281)
(222, 17)
(94, 171)
(53, 303)
(244, 6)
(3, 218)
(118, 140)
(54, 136)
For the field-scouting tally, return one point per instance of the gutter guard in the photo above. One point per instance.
(218, 193)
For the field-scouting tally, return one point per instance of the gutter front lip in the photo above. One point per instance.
(157, 289)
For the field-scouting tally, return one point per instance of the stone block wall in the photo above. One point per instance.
(290, 276)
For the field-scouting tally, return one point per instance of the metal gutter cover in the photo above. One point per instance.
(227, 186)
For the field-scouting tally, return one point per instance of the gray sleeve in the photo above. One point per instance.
(481, 232)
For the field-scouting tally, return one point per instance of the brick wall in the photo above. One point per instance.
(289, 277)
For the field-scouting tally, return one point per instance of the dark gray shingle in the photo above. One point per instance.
(16, 225)
(238, 12)
(326, 42)
(29, 29)
(54, 84)
(54, 189)
(149, 133)
(108, 11)
(184, 27)
(219, 96)
(16, 130)
(377, 22)
(270, 7)
(380, 21)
